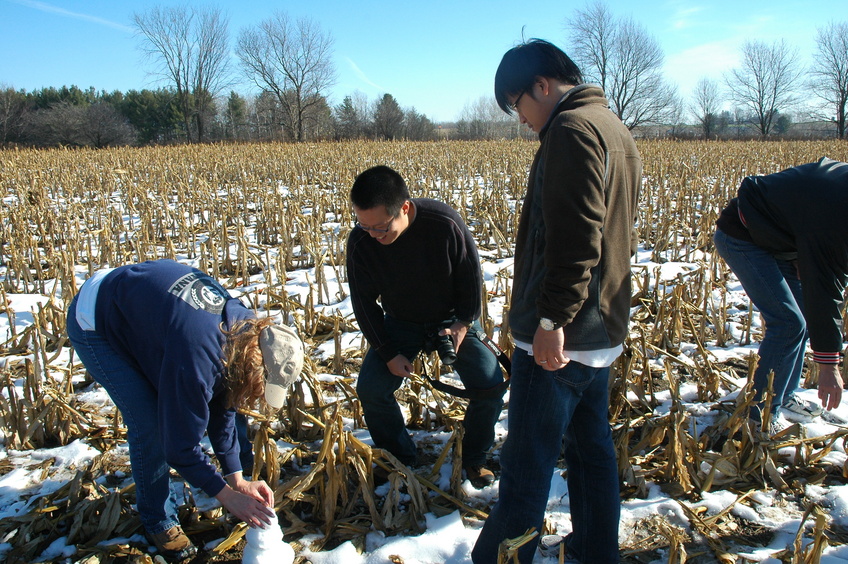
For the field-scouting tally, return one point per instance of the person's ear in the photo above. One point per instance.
(544, 85)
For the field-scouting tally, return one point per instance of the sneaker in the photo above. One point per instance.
(550, 547)
(777, 425)
(173, 544)
(479, 476)
(802, 407)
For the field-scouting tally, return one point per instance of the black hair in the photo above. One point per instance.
(379, 186)
(521, 65)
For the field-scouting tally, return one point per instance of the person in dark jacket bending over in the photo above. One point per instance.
(177, 354)
(414, 271)
(785, 237)
(570, 306)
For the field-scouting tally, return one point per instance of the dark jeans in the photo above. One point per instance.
(245, 446)
(775, 289)
(548, 411)
(137, 400)
(476, 366)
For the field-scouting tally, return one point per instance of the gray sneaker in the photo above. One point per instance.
(550, 547)
(802, 407)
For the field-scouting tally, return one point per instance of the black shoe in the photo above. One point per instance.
(479, 476)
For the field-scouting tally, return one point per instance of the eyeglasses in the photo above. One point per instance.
(514, 105)
(385, 229)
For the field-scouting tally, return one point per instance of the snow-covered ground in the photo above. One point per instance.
(449, 539)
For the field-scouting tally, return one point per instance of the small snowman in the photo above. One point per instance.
(266, 546)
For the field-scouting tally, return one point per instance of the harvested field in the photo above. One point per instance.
(271, 221)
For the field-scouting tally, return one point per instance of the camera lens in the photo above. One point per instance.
(447, 354)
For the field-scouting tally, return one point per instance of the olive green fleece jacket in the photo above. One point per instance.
(576, 234)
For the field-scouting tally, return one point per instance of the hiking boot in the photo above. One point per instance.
(173, 544)
(802, 407)
(479, 476)
(550, 547)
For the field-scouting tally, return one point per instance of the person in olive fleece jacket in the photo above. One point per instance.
(570, 305)
(785, 236)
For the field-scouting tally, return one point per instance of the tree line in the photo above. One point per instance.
(290, 63)
(70, 116)
(764, 90)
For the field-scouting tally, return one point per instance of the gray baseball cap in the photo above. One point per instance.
(282, 352)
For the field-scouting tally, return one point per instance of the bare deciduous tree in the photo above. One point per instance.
(292, 60)
(707, 106)
(483, 119)
(12, 113)
(190, 46)
(101, 125)
(621, 56)
(766, 81)
(830, 71)
(58, 125)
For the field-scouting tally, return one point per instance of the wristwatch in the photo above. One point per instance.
(547, 324)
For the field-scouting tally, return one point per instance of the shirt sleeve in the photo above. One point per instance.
(574, 208)
(184, 415)
(364, 295)
(468, 281)
(222, 434)
(822, 263)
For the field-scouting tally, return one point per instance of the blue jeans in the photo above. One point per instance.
(774, 287)
(549, 411)
(136, 398)
(245, 446)
(476, 366)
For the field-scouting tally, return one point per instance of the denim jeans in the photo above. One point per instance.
(550, 412)
(136, 398)
(245, 446)
(475, 365)
(774, 287)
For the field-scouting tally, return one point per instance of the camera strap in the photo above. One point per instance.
(493, 392)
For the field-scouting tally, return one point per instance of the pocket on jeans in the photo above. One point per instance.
(576, 375)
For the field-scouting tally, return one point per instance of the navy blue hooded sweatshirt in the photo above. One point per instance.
(167, 319)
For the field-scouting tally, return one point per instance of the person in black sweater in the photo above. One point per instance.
(786, 238)
(414, 271)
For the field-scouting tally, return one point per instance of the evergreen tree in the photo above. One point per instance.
(388, 118)
(418, 127)
(235, 116)
(349, 124)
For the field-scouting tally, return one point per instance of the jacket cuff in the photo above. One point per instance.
(826, 357)
(387, 353)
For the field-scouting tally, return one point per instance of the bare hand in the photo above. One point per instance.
(400, 366)
(457, 332)
(250, 501)
(830, 386)
(548, 349)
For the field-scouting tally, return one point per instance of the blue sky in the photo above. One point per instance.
(437, 56)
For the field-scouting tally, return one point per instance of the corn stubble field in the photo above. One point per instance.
(255, 214)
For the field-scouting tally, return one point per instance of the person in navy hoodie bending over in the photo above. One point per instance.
(177, 354)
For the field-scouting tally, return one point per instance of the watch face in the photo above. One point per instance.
(546, 324)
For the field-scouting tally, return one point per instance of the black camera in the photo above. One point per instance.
(442, 344)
